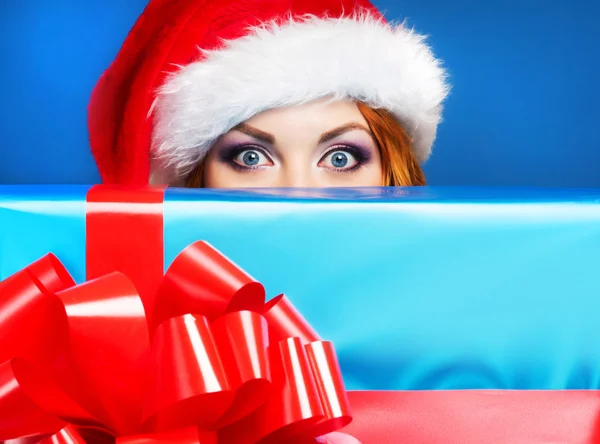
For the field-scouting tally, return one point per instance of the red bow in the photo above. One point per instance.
(213, 363)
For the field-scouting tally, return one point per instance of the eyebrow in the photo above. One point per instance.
(256, 133)
(337, 132)
(325, 137)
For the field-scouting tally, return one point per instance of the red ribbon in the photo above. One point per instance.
(194, 355)
(216, 364)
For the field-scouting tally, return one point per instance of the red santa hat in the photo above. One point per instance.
(191, 70)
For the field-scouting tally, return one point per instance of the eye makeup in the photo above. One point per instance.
(361, 156)
(227, 155)
(360, 152)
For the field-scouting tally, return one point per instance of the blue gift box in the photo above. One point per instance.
(421, 288)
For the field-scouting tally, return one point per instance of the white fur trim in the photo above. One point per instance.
(275, 65)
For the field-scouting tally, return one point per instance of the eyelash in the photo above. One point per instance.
(360, 157)
(232, 153)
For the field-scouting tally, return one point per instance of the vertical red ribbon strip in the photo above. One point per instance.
(124, 232)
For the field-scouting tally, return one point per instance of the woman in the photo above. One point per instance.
(267, 93)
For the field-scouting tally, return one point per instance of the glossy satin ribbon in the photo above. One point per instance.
(194, 356)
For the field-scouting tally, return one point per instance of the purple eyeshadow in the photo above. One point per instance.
(227, 153)
(363, 153)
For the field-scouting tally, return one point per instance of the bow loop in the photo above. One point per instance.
(202, 280)
(211, 363)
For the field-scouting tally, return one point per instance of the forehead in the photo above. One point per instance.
(318, 115)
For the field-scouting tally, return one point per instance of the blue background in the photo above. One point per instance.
(524, 109)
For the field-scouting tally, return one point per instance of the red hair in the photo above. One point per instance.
(398, 162)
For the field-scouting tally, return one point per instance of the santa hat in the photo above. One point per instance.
(190, 70)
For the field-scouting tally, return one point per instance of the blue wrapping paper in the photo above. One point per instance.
(421, 288)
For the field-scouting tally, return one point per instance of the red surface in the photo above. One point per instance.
(476, 417)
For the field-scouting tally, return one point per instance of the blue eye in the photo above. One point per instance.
(339, 160)
(251, 159)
